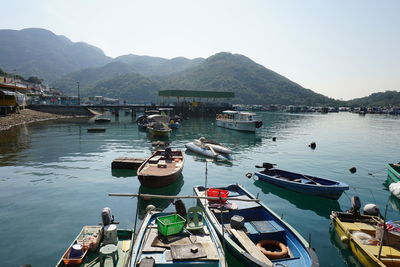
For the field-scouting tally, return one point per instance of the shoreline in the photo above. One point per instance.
(26, 116)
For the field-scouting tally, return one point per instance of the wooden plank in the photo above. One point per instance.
(249, 246)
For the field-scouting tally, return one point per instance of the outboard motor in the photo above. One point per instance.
(371, 209)
(106, 216)
(180, 208)
(355, 205)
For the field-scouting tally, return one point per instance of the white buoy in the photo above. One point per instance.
(371, 209)
(394, 188)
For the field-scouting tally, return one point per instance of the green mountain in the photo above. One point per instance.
(388, 98)
(133, 87)
(156, 66)
(251, 82)
(41, 53)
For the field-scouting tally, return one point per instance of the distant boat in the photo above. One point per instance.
(96, 130)
(199, 248)
(303, 183)
(393, 172)
(161, 169)
(365, 237)
(210, 149)
(158, 125)
(254, 233)
(238, 120)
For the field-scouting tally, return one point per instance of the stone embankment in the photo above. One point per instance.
(26, 116)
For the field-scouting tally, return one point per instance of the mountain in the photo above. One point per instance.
(388, 98)
(89, 77)
(252, 83)
(156, 66)
(133, 87)
(41, 53)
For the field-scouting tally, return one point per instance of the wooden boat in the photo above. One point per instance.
(161, 169)
(393, 172)
(91, 253)
(261, 226)
(362, 234)
(200, 248)
(158, 125)
(238, 120)
(303, 183)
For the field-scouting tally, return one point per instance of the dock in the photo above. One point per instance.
(127, 163)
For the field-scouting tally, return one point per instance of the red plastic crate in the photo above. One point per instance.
(212, 192)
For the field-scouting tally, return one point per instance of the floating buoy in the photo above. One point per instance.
(249, 175)
(274, 139)
(371, 209)
(313, 145)
(353, 169)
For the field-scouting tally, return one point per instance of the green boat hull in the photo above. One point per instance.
(393, 173)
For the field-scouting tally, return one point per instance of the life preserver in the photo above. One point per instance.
(282, 250)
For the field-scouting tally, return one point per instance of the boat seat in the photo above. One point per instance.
(162, 164)
(195, 217)
(358, 226)
(259, 230)
(387, 251)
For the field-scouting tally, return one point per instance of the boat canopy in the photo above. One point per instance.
(158, 118)
(230, 112)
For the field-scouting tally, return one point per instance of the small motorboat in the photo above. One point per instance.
(167, 239)
(158, 125)
(210, 149)
(162, 168)
(252, 232)
(373, 241)
(100, 243)
(301, 183)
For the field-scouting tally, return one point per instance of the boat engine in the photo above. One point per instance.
(106, 216)
(371, 209)
(355, 205)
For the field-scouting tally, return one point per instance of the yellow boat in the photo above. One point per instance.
(363, 235)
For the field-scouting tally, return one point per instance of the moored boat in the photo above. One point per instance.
(99, 246)
(253, 232)
(393, 172)
(365, 237)
(158, 125)
(162, 241)
(102, 120)
(302, 183)
(238, 120)
(162, 168)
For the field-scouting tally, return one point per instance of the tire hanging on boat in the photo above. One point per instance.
(280, 250)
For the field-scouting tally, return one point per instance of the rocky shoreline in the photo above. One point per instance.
(26, 116)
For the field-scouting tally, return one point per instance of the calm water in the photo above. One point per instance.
(55, 176)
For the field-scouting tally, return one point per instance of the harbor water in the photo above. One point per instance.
(55, 176)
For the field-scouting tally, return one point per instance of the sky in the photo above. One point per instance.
(342, 49)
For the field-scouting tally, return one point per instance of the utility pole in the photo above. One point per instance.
(79, 96)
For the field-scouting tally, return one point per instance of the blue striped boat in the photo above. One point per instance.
(303, 183)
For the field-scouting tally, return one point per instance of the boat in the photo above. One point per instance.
(253, 232)
(393, 172)
(162, 168)
(163, 240)
(301, 183)
(96, 243)
(364, 236)
(238, 120)
(210, 149)
(158, 125)
(142, 122)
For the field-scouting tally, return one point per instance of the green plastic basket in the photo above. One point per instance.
(170, 225)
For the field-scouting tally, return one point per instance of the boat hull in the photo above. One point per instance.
(158, 181)
(393, 173)
(304, 256)
(332, 190)
(244, 126)
(206, 152)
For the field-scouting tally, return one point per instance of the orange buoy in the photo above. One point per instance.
(279, 250)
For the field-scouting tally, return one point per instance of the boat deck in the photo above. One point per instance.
(160, 166)
(175, 249)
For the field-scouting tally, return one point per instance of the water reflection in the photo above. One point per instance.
(171, 190)
(12, 143)
(321, 206)
(123, 173)
(347, 255)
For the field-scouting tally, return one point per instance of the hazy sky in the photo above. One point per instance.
(342, 49)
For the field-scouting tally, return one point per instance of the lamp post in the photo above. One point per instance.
(79, 96)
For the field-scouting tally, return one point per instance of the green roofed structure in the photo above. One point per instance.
(195, 94)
